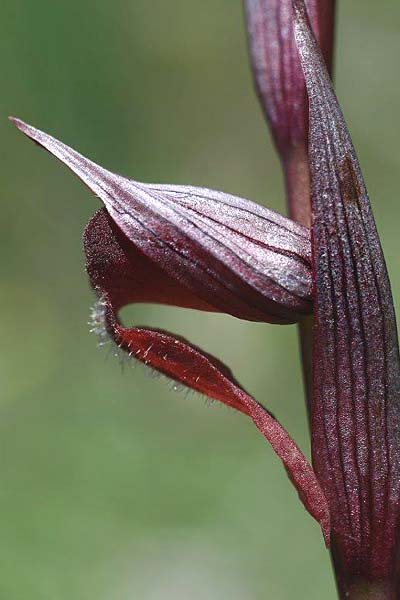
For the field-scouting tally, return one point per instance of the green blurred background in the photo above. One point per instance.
(112, 486)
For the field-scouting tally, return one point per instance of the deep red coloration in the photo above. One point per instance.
(121, 274)
(194, 247)
(232, 254)
(197, 248)
(278, 75)
(356, 402)
(281, 88)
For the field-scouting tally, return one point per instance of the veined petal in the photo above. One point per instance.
(280, 85)
(276, 67)
(232, 254)
(120, 271)
(356, 367)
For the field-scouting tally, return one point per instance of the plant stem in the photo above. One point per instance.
(298, 193)
(370, 591)
(297, 180)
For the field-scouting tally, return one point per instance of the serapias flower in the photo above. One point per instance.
(197, 248)
(194, 247)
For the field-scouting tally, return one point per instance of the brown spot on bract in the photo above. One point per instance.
(349, 185)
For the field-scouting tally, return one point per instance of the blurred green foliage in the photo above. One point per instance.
(112, 485)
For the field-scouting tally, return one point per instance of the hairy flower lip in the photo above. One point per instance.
(171, 244)
(244, 260)
(120, 248)
(356, 366)
(120, 273)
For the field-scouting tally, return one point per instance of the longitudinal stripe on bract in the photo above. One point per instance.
(356, 405)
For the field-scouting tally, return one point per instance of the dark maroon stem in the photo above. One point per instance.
(360, 589)
(298, 194)
(370, 591)
(297, 182)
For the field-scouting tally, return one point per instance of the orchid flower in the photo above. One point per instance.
(198, 248)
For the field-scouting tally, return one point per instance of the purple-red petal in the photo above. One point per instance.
(116, 269)
(276, 67)
(232, 254)
(280, 85)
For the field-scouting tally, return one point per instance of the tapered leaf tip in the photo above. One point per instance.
(17, 122)
(22, 126)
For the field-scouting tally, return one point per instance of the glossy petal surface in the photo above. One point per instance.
(232, 254)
